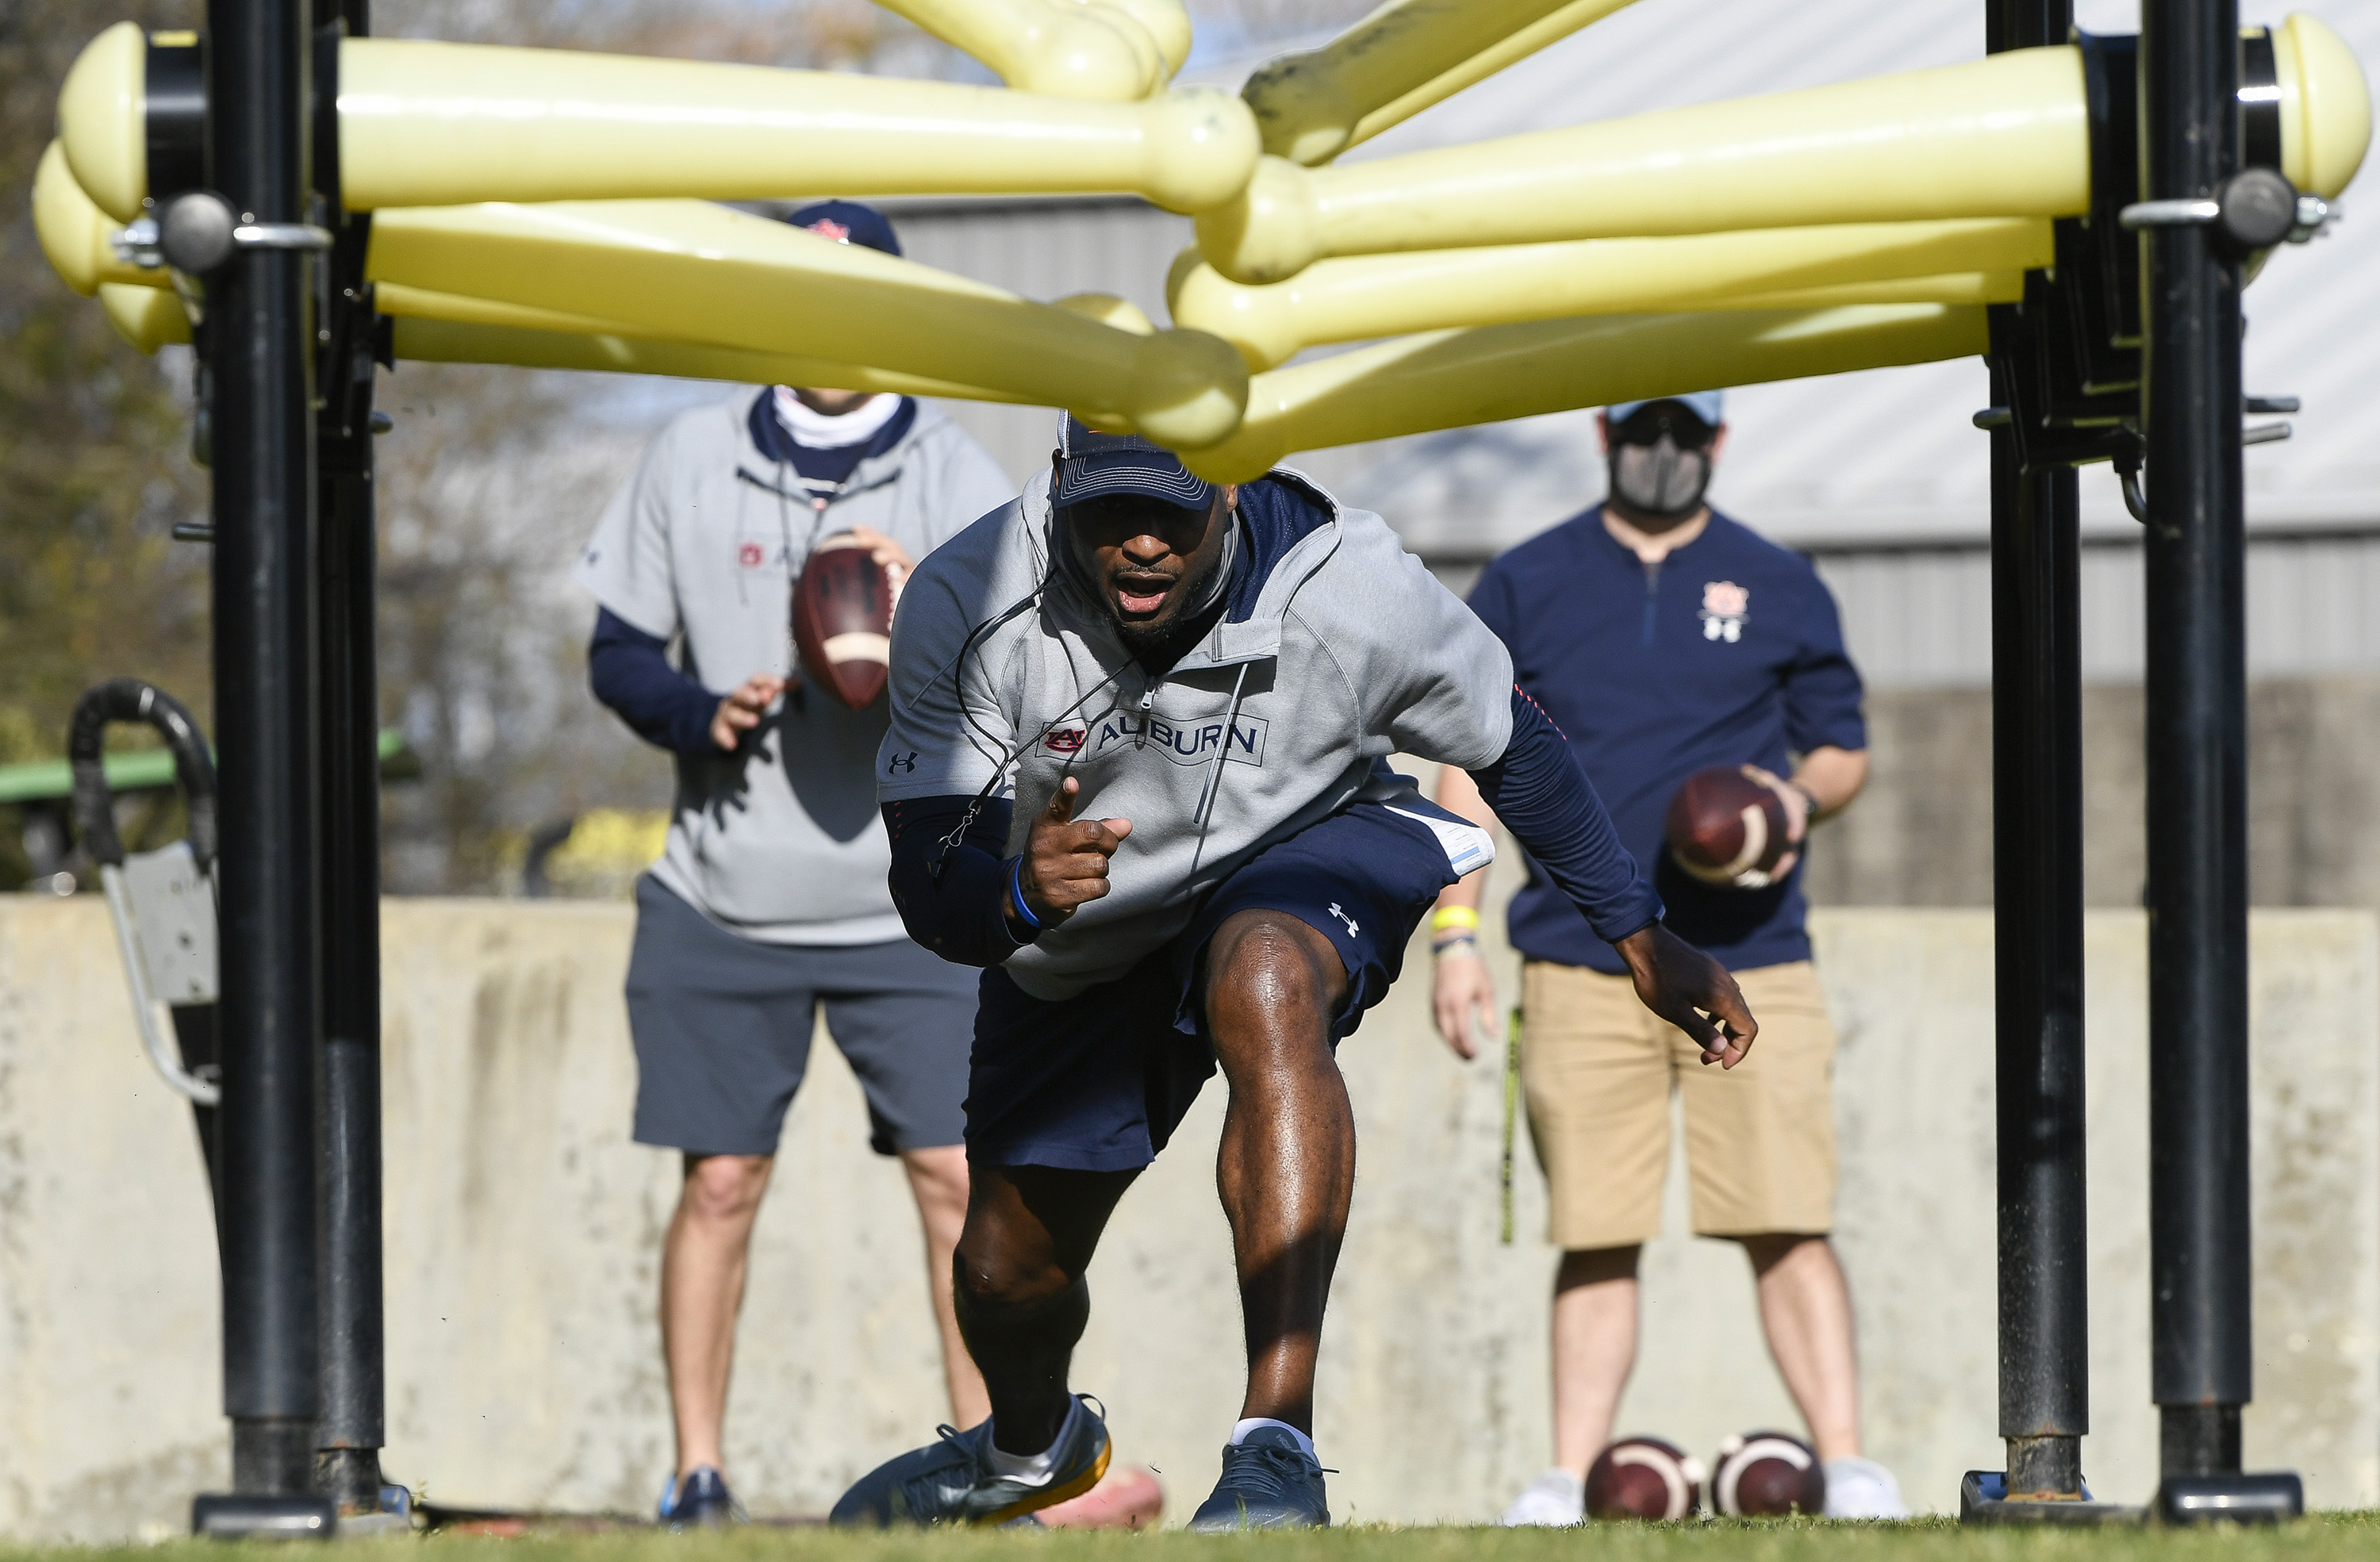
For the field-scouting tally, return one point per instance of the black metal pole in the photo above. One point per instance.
(262, 456)
(348, 1437)
(2045, 1390)
(2200, 1365)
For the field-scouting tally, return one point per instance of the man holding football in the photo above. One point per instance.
(1137, 769)
(1664, 639)
(769, 900)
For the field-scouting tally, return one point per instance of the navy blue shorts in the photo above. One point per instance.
(1099, 1082)
(722, 1024)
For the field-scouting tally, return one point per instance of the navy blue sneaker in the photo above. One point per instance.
(699, 1501)
(952, 1481)
(1269, 1484)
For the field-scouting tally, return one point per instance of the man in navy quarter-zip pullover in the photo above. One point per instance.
(1663, 639)
(1138, 770)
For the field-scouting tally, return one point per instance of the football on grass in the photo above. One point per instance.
(843, 621)
(1643, 1478)
(1768, 1474)
(1725, 827)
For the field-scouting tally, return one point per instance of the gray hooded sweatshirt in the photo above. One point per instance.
(1337, 650)
(779, 841)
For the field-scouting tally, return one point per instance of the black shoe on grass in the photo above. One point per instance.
(700, 1500)
(952, 1481)
(1269, 1484)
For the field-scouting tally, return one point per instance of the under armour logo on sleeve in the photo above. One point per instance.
(906, 763)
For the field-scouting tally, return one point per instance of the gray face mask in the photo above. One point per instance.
(1659, 479)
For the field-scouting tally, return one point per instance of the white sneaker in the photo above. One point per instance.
(1558, 1499)
(1860, 1488)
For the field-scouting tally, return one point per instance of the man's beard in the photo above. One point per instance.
(1659, 479)
(1200, 591)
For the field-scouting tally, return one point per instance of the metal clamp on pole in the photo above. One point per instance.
(2256, 209)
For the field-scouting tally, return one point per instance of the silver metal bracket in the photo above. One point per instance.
(2314, 217)
(2169, 214)
(136, 244)
(281, 236)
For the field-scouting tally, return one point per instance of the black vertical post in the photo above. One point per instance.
(2044, 1391)
(351, 1431)
(2197, 770)
(271, 1018)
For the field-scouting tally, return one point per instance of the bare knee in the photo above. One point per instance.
(1272, 983)
(938, 1177)
(724, 1189)
(1769, 1250)
(992, 1274)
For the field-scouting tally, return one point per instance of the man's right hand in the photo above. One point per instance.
(742, 709)
(1066, 859)
(1463, 991)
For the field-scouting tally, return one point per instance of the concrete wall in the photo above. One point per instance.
(523, 1228)
(1922, 832)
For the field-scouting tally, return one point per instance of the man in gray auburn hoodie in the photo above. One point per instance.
(768, 902)
(1138, 770)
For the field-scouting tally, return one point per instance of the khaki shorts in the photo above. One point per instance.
(1597, 1067)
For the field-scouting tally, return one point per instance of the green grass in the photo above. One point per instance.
(2313, 1540)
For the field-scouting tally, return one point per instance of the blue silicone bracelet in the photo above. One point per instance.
(1016, 893)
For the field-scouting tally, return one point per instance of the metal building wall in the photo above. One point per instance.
(1919, 615)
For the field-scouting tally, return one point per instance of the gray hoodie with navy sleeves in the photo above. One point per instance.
(1336, 649)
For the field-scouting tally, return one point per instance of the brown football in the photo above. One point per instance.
(1768, 1474)
(843, 621)
(1724, 827)
(1643, 1478)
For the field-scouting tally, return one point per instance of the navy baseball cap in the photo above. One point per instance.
(1705, 404)
(1091, 464)
(847, 221)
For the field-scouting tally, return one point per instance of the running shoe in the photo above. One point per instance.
(952, 1481)
(1269, 1484)
(1557, 1499)
(1860, 1488)
(700, 1500)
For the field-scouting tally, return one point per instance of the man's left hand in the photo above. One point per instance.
(1797, 815)
(1683, 985)
(887, 553)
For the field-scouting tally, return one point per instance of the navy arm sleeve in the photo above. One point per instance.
(631, 674)
(1822, 687)
(962, 915)
(1547, 802)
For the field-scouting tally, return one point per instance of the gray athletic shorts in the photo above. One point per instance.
(722, 1026)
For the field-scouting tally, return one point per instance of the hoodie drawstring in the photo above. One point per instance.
(1213, 791)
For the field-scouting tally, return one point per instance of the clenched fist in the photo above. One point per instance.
(1066, 858)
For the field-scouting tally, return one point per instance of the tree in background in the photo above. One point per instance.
(94, 467)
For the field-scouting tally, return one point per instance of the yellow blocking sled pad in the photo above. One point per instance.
(1360, 297)
(1445, 380)
(1396, 61)
(432, 123)
(432, 339)
(690, 272)
(1101, 50)
(2006, 136)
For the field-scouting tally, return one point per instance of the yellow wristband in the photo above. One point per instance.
(1453, 916)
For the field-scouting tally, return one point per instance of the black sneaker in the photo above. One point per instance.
(952, 1481)
(1269, 1484)
(700, 1500)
